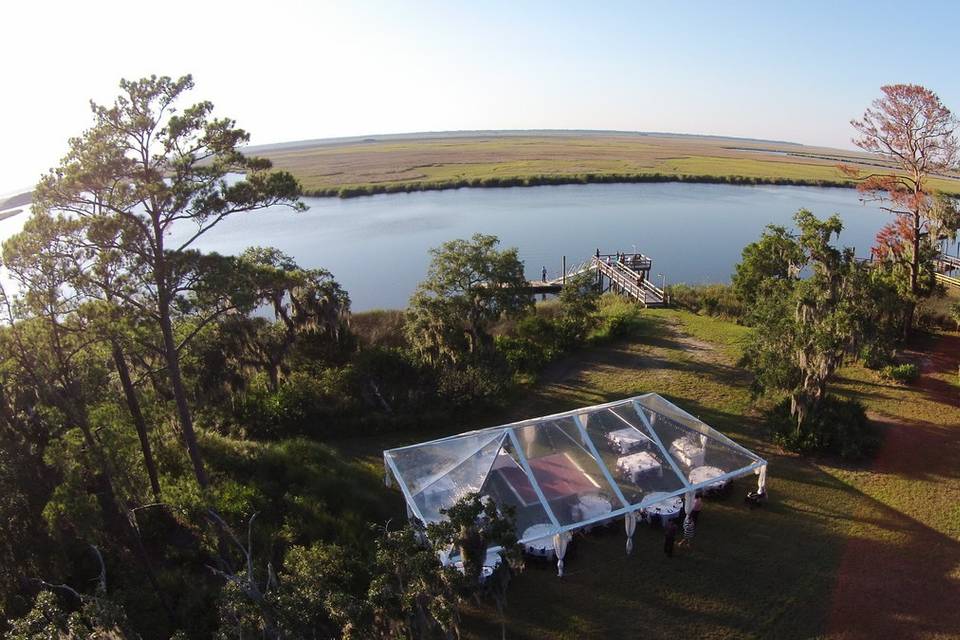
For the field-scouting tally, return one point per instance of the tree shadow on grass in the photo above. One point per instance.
(900, 579)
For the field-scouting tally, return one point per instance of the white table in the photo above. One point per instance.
(636, 464)
(590, 507)
(705, 474)
(627, 439)
(539, 539)
(665, 508)
(687, 451)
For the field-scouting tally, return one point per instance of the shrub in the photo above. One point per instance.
(473, 383)
(839, 427)
(523, 354)
(717, 300)
(876, 354)
(304, 404)
(619, 318)
(379, 328)
(903, 373)
(391, 381)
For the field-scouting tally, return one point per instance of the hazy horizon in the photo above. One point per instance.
(306, 71)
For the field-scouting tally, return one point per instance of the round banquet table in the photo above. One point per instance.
(591, 506)
(666, 508)
(705, 474)
(539, 539)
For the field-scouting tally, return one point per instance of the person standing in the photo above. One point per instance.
(543, 274)
(697, 506)
(689, 528)
(669, 535)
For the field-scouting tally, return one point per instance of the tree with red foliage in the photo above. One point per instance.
(914, 132)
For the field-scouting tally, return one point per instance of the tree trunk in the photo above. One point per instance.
(908, 316)
(179, 392)
(914, 274)
(133, 404)
(798, 409)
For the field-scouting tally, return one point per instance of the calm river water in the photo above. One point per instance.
(377, 246)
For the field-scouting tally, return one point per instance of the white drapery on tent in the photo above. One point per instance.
(572, 470)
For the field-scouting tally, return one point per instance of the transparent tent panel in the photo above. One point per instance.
(421, 466)
(509, 487)
(658, 404)
(570, 471)
(568, 475)
(693, 446)
(635, 461)
(467, 477)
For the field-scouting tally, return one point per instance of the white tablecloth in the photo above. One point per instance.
(706, 473)
(591, 506)
(539, 539)
(626, 440)
(666, 508)
(687, 451)
(636, 464)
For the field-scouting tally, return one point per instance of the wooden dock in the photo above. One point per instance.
(945, 265)
(624, 273)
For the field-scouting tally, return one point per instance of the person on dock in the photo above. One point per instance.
(543, 274)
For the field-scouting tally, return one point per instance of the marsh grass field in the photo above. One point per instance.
(408, 163)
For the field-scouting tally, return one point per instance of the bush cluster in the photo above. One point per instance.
(718, 300)
(903, 373)
(839, 427)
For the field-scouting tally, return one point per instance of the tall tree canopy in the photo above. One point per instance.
(915, 133)
(148, 179)
(803, 325)
(470, 285)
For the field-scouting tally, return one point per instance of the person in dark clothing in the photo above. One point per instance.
(689, 529)
(543, 274)
(669, 535)
(697, 506)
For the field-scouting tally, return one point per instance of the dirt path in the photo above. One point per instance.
(899, 576)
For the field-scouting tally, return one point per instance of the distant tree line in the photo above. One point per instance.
(352, 191)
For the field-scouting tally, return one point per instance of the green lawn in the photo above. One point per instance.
(762, 573)
(803, 566)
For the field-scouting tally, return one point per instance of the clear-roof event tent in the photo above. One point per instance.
(575, 469)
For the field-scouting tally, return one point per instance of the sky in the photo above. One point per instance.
(300, 70)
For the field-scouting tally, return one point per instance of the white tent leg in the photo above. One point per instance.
(762, 480)
(560, 542)
(688, 503)
(630, 524)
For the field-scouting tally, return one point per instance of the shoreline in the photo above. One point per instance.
(355, 191)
